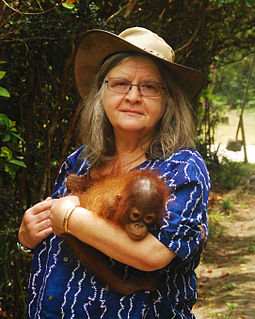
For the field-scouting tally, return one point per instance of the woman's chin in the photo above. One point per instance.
(132, 128)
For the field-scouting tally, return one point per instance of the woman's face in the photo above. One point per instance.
(131, 112)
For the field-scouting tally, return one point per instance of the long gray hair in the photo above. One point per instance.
(174, 131)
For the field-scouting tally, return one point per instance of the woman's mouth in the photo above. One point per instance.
(131, 112)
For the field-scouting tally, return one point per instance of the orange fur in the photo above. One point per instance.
(113, 199)
(101, 196)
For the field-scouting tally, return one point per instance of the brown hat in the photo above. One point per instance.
(96, 45)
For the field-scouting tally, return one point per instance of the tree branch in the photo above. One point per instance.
(116, 13)
(191, 39)
(45, 186)
(69, 134)
(130, 7)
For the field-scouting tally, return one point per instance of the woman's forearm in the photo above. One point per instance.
(147, 254)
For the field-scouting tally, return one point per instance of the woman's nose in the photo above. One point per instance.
(134, 94)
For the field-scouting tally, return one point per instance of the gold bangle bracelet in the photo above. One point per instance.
(67, 216)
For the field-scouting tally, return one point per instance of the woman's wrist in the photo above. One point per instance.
(25, 250)
(59, 214)
(78, 221)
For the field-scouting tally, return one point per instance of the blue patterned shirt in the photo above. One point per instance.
(60, 287)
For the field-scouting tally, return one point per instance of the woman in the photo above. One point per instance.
(137, 115)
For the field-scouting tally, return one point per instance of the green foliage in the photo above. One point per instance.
(231, 307)
(36, 122)
(227, 205)
(10, 147)
(228, 175)
(3, 91)
(231, 286)
(14, 266)
(248, 3)
(68, 5)
(251, 248)
(214, 219)
(232, 81)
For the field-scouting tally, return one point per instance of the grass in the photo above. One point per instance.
(231, 286)
(228, 205)
(251, 249)
(231, 306)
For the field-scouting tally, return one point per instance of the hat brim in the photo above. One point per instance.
(96, 45)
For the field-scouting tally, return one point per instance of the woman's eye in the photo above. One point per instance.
(122, 83)
(119, 82)
(148, 86)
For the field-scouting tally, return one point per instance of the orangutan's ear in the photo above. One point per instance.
(118, 199)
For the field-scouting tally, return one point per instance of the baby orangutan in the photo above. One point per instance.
(135, 202)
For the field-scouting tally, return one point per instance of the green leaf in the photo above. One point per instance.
(6, 168)
(4, 92)
(18, 136)
(4, 120)
(68, 5)
(6, 138)
(2, 74)
(6, 152)
(19, 163)
(249, 3)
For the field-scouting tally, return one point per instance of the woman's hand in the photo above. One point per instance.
(59, 210)
(36, 224)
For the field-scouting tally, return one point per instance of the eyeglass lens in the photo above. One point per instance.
(123, 86)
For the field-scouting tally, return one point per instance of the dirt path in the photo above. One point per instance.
(226, 276)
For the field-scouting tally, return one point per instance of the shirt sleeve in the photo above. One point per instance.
(186, 208)
(66, 168)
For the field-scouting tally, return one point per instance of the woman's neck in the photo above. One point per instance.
(128, 161)
(131, 150)
(131, 142)
(121, 164)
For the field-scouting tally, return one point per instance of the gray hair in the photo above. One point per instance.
(174, 131)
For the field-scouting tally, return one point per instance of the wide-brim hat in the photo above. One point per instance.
(96, 45)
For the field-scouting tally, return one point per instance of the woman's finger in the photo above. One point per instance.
(43, 224)
(44, 233)
(38, 218)
(40, 207)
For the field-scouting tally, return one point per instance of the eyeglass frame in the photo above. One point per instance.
(138, 86)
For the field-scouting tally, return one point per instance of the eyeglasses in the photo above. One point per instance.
(123, 86)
